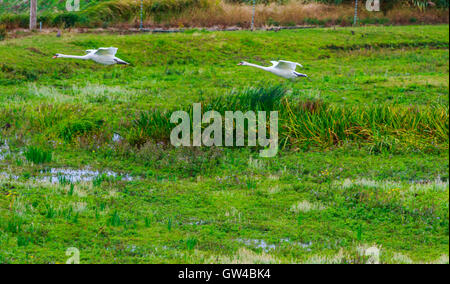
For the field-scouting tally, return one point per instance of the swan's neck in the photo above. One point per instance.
(256, 66)
(85, 57)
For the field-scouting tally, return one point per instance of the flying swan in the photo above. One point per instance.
(105, 56)
(282, 68)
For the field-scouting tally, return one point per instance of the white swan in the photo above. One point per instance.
(282, 68)
(105, 56)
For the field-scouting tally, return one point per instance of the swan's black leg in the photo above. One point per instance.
(121, 62)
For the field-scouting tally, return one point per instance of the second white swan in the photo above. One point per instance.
(282, 68)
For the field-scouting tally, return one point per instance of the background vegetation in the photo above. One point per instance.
(207, 13)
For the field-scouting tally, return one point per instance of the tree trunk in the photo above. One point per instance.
(33, 12)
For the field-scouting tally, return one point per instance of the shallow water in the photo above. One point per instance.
(266, 247)
(117, 138)
(4, 149)
(198, 223)
(299, 244)
(255, 243)
(8, 176)
(55, 175)
(78, 175)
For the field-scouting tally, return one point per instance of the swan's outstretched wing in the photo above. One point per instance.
(293, 64)
(106, 51)
(286, 65)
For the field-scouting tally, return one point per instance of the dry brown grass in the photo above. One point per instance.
(431, 16)
(222, 15)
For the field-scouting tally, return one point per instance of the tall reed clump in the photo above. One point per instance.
(156, 124)
(381, 127)
(149, 125)
(77, 127)
(3, 32)
(311, 123)
(256, 99)
(37, 155)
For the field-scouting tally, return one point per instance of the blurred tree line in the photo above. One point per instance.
(386, 5)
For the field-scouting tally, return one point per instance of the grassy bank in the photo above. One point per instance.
(85, 160)
(375, 101)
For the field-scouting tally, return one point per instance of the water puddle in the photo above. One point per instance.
(266, 247)
(306, 246)
(56, 175)
(255, 243)
(198, 223)
(5, 175)
(117, 138)
(4, 149)
(66, 175)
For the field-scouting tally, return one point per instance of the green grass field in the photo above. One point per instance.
(85, 160)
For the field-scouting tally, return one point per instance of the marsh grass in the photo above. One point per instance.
(14, 225)
(37, 155)
(71, 129)
(71, 189)
(191, 243)
(51, 212)
(384, 168)
(3, 32)
(379, 126)
(23, 241)
(115, 220)
(63, 180)
(99, 179)
(169, 224)
(312, 123)
(147, 222)
(350, 207)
